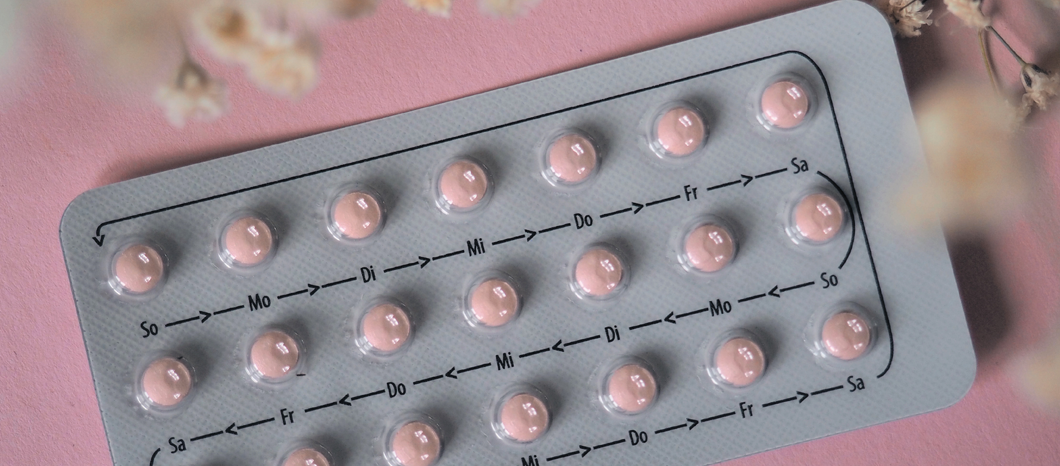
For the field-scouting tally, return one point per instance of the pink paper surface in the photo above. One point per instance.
(62, 133)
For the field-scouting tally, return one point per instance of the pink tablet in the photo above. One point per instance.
(524, 417)
(572, 158)
(632, 388)
(494, 302)
(247, 241)
(416, 444)
(166, 382)
(818, 217)
(274, 354)
(785, 104)
(598, 272)
(846, 335)
(138, 268)
(386, 327)
(740, 361)
(680, 131)
(709, 248)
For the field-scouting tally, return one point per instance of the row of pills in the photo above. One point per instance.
(357, 213)
(732, 361)
(707, 245)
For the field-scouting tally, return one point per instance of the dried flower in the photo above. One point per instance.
(969, 11)
(1039, 85)
(340, 8)
(434, 7)
(905, 16)
(507, 8)
(975, 179)
(1039, 373)
(129, 38)
(285, 64)
(231, 30)
(191, 94)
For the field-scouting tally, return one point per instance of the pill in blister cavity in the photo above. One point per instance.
(166, 382)
(384, 329)
(274, 355)
(307, 456)
(785, 104)
(846, 335)
(462, 186)
(523, 417)
(571, 159)
(246, 242)
(679, 131)
(817, 218)
(740, 361)
(709, 247)
(493, 302)
(631, 388)
(414, 443)
(137, 269)
(356, 215)
(599, 273)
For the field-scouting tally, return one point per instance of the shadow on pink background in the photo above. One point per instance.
(62, 133)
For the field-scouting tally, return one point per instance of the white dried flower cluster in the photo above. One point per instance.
(975, 179)
(506, 8)
(969, 11)
(906, 16)
(192, 94)
(435, 7)
(1038, 85)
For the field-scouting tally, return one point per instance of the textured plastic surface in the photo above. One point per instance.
(923, 360)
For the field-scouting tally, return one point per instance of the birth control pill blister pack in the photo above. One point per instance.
(677, 257)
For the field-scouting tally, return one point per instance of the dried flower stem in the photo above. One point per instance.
(1009, 47)
(987, 63)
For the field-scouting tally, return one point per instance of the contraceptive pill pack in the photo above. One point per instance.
(677, 257)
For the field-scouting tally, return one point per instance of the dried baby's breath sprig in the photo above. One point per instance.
(1038, 85)
(231, 30)
(346, 9)
(191, 94)
(506, 8)
(285, 63)
(975, 180)
(906, 16)
(435, 7)
(969, 11)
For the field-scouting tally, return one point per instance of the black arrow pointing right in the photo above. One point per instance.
(424, 261)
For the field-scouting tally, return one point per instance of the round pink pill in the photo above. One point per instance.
(463, 184)
(632, 388)
(709, 248)
(306, 457)
(274, 354)
(494, 302)
(386, 327)
(572, 158)
(784, 104)
(138, 268)
(680, 131)
(247, 241)
(416, 444)
(598, 272)
(166, 382)
(846, 335)
(740, 361)
(524, 417)
(356, 215)
(818, 217)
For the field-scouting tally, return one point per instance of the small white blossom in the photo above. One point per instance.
(285, 64)
(231, 30)
(191, 94)
(1040, 85)
(435, 7)
(906, 16)
(506, 8)
(969, 11)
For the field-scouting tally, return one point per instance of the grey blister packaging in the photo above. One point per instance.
(677, 257)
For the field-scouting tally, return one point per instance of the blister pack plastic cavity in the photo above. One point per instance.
(677, 257)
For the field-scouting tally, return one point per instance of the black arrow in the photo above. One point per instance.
(424, 261)
(99, 240)
(530, 234)
(313, 289)
(746, 179)
(693, 422)
(450, 373)
(670, 318)
(232, 429)
(558, 346)
(773, 292)
(205, 315)
(637, 207)
(802, 396)
(585, 450)
(345, 400)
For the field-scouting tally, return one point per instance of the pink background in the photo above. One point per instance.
(62, 132)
